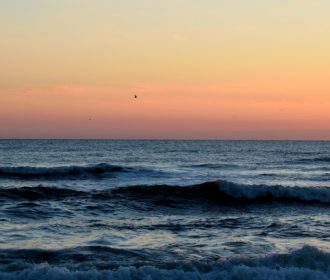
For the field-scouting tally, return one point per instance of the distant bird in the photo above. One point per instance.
(135, 96)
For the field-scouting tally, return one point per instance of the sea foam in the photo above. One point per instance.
(306, 263)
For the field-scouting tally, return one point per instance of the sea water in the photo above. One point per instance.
(119, 209)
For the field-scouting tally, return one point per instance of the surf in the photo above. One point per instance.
(220, 191)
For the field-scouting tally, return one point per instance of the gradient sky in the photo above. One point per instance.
(211, 69)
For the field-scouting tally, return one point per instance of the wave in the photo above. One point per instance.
(29, 172)
(221, 191)
(211, 165)
(306, 263)
(39, 192)
(224, 192)
(325, 159)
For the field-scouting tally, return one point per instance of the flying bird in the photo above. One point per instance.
(135, 96)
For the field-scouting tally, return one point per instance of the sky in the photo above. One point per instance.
(211, 69)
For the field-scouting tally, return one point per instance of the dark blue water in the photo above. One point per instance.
(164, 209)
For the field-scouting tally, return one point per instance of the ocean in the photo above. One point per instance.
(154, 209)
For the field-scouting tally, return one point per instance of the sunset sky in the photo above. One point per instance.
(211, 69)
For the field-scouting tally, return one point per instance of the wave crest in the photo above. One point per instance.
(228, 192)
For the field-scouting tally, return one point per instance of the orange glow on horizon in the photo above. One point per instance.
(162, 112)
(201, 69)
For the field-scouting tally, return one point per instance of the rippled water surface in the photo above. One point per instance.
(164, 209)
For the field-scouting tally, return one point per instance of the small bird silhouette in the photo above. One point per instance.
(135, 96)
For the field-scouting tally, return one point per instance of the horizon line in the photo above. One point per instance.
(161, 139)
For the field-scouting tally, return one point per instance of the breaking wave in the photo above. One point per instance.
(216, 191)
(306, 263)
